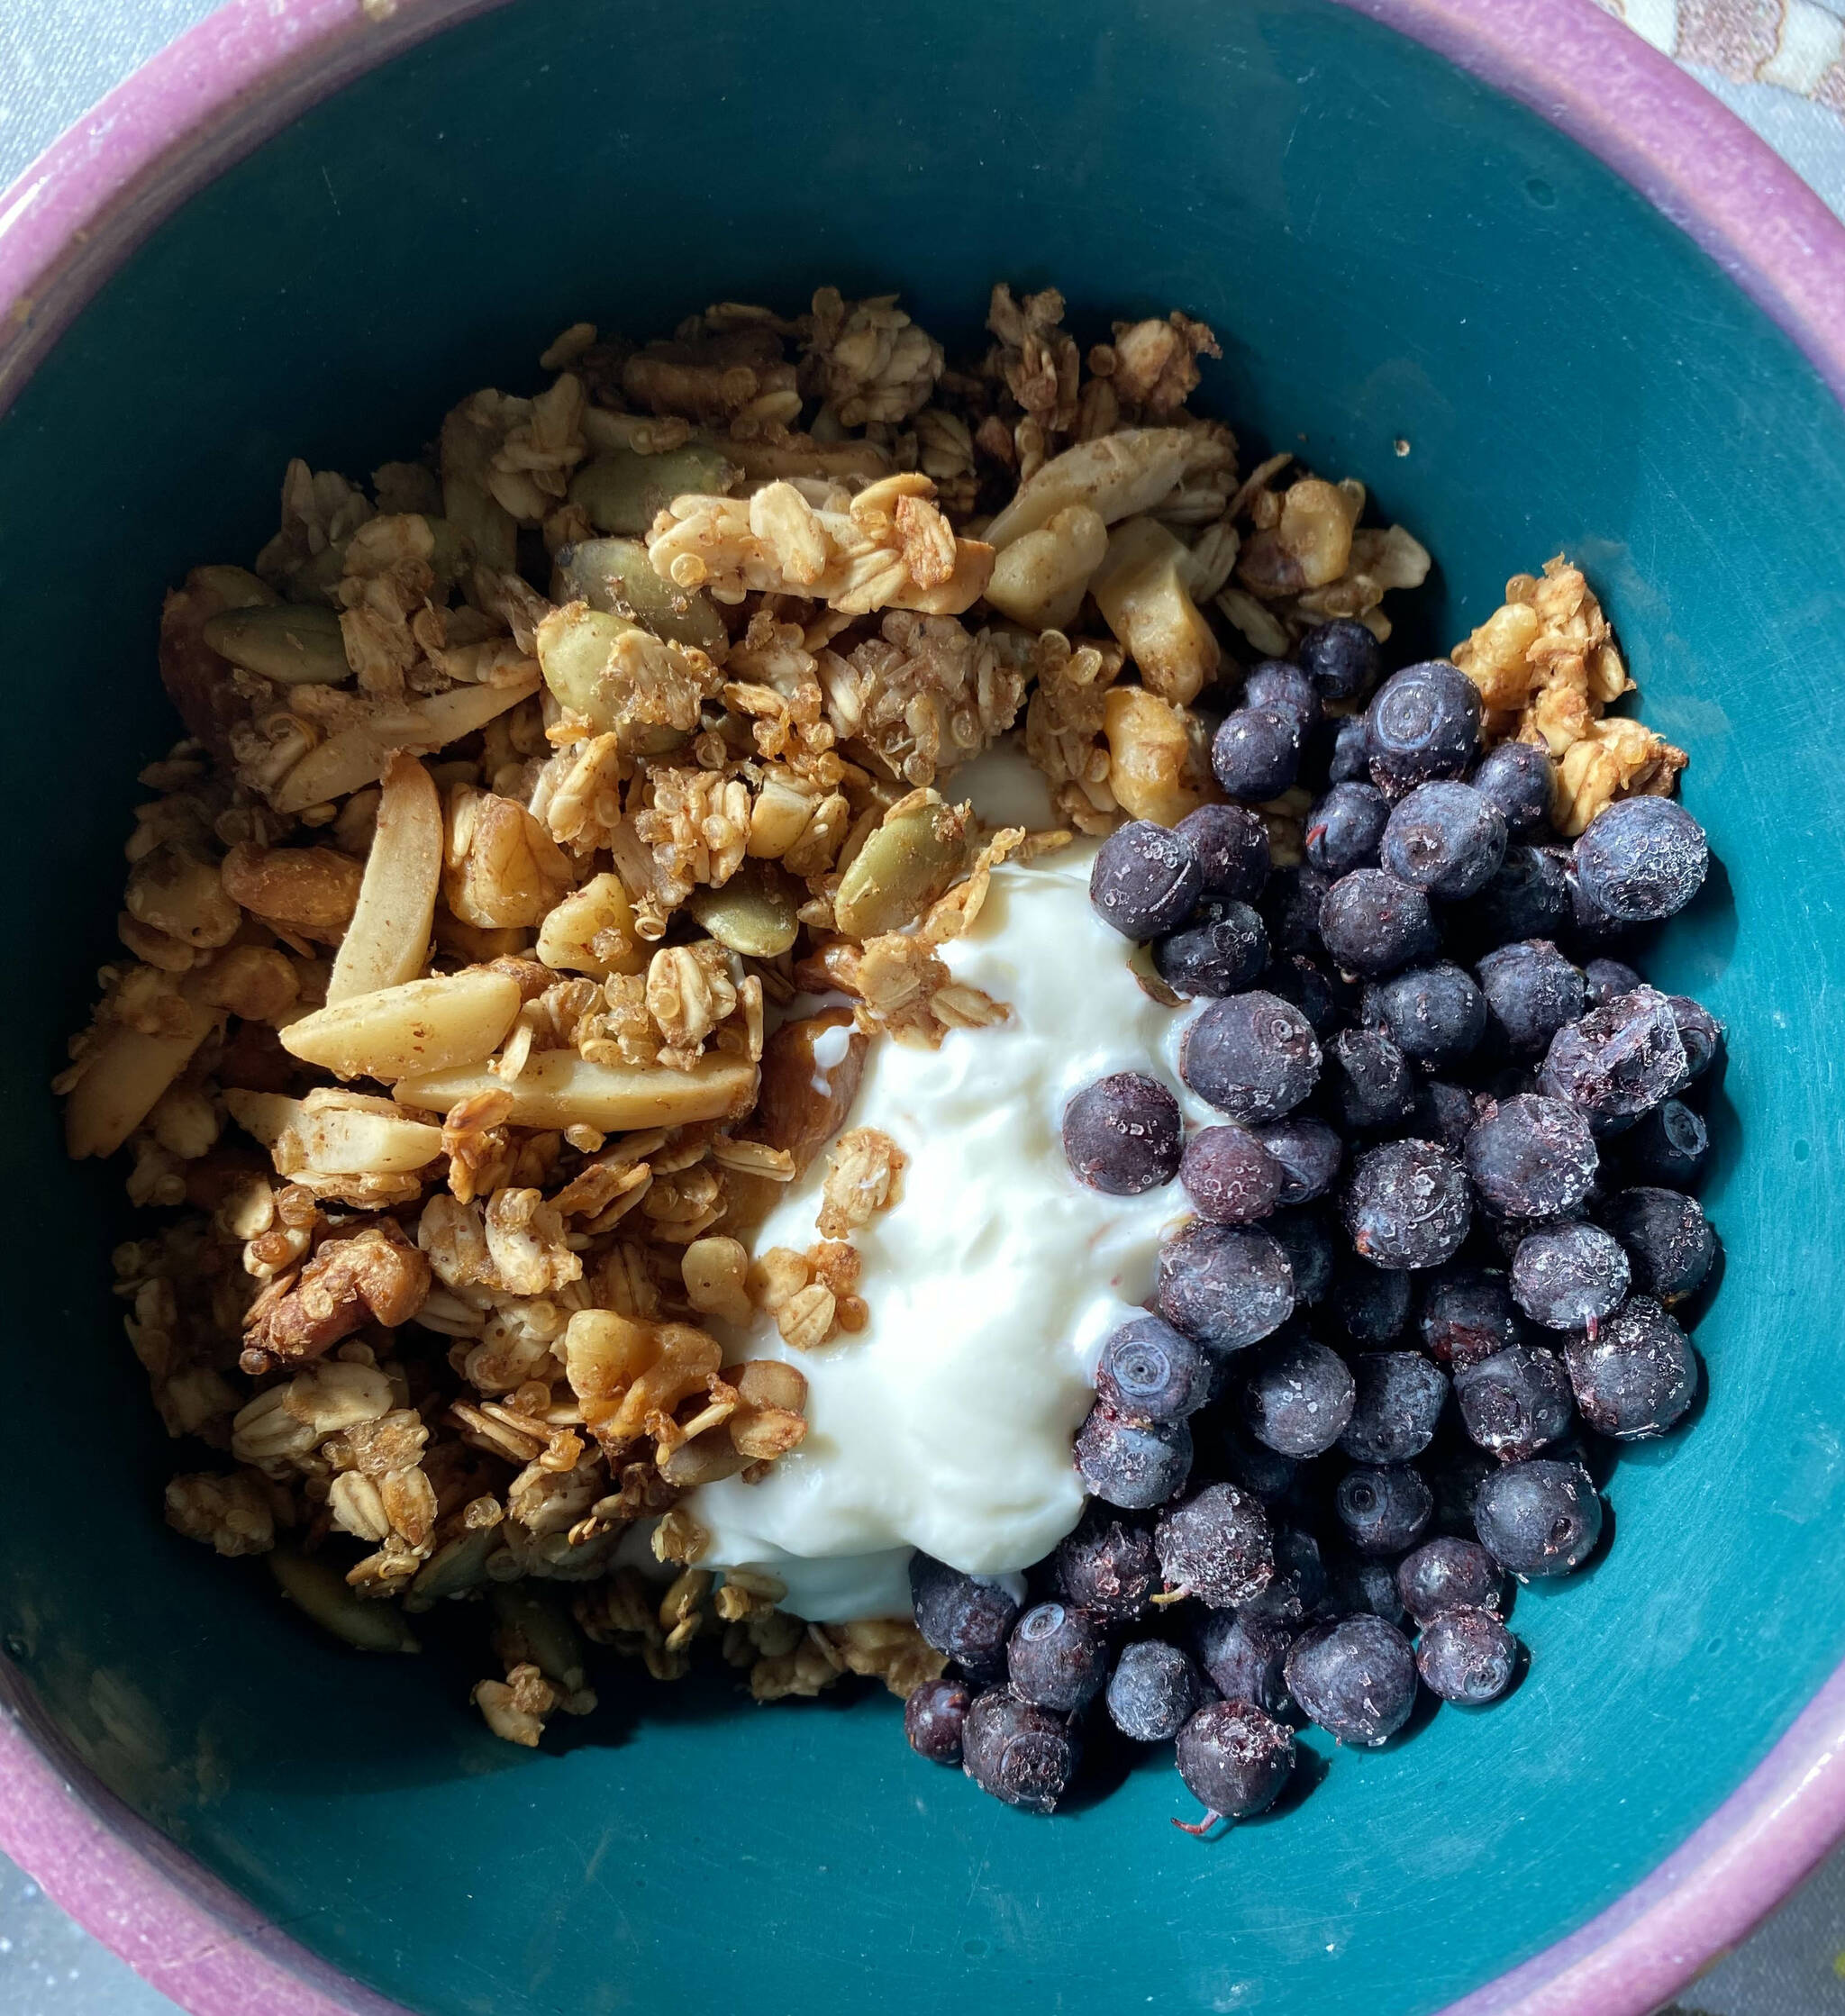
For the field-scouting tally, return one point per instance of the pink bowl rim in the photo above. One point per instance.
(238, 77)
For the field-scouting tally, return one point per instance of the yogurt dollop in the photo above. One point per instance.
(992, 1283)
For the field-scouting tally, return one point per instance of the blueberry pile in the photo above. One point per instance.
(1438, 1234)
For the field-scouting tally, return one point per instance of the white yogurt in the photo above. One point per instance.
(992, 1285)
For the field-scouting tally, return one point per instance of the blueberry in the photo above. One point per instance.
(1222, 952)
(1349, 760)
(1516, 776)
(1528, 898)
(1449, 1573)
(1515, 1401)
(1540, 1518)
(1223, 1286)
(1231, 846)
(1235, 1760)
(1150, 1372)
(933, 1716)
(1443, 1112)
(1372, 1085)
(1669, 1239)
(1124, 1134)
(1398, 1402)
(1362, 1583)
(1290, 908)
(1699, 1032)
(1435, 1013)
(1229, 1176)
(1023, 1755)
(1445, 837)
(1244, 1655)
(1383, 1512)
(1298, 1585)
(1566, 1275)
(1298, 1398)
(1531, 1157)
(1216, 1547)
(1592, 925)
(1408, 1204)
(1618, 1061)
(1107, 1566)
(1371, 1301)
(1467, 1656)
(1235, 1455)
(1667, 1145)
(1356, 1678)
(1287, 690)
(1313, 1256)
(1309, 1153)
(1343, 830)
(1423, 723)
(963, 1615)
(1253, 1056)
(1603, 979)
(1057, 1657)
(1641, 859)
(1467, 1316)
(1532, 990)
(1132, 1464)
(1340, 658)
(1636, 1376)
(1370, 922)
(1323, 998)
(1145, 880)
(1153, 1690)
(1255, 752)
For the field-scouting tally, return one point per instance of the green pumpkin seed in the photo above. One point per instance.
(902, 868)
(623, 492)
(535, 1627)
(480, 518)
(452, 1570)
(370, 1623)
(573, 648)
(615, 574)
(314, 581)
(753, 913)
(294, 646)
(236, 587)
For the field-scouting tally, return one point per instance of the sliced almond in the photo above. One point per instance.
(421, 1026)
(334, 1140)
(124, 1080)
(559, 1088)
(357, 756)
(387, 939)
(811, 1070)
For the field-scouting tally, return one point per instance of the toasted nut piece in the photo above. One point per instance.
(293, 644)
(175, 893)
(616, 576)
(1311, 543)
(1140, 590)
(772, 1398)
(714, 1271)
(309, 890)
(704, 1460)
(356, 756)
(621, 679)
(422, 1026)
(500, 869)
(1116, 475)
(334, 1140)
(197, 681)
(811, 1070)
(368, 1623)
(621, 1371)
(592, 930)
(387, 939)
(1156, 767)
(753, 913)
(623, 492)
(124, 1077)
(559, 1088)
(903, 867)
(845, 462)
(1039, 580)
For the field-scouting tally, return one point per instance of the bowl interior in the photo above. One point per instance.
(1392, 254)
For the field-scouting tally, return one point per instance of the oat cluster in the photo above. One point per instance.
(465, 1031)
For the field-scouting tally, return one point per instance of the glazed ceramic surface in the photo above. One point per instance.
(1416, 282)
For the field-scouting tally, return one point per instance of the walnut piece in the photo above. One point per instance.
(374, 1276)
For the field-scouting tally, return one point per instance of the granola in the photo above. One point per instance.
(523, 793)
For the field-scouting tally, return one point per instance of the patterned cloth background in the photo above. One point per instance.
(1778, 64)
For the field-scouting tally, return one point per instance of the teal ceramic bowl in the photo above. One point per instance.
(1418, 279)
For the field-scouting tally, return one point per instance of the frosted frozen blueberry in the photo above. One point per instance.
(1641, 859)
(1235, 1760)
(1355, 1677)
(1636, 1376)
